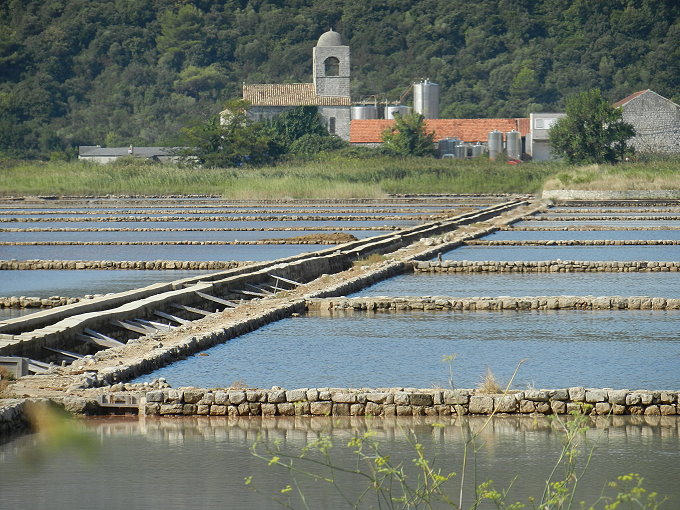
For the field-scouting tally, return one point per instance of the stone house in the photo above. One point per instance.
(656, 121)
(329, 90)
(99, 154)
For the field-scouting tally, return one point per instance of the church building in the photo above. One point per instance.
(329, 90)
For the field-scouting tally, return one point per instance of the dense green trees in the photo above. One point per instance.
(78, 72)
(592, 132)
(408, 136)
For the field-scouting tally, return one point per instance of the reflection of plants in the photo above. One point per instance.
(449, 359)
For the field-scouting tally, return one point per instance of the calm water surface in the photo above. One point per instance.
(355, 349)
(175, 464)
(618, 235)
(593, 253)
(46, 283)
(528, 284)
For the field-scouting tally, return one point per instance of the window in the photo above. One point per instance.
(332, 66)
(331, 125)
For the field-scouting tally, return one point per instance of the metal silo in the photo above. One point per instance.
(447, 146)
(513, 144)
(462, 150)
(364, 112)
(495, 144)
(426, 99)
(477, 150)
(390, 111)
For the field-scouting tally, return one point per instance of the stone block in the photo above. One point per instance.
(173, 396)
(321, 408)
(268, 409)
(402, 410)
(237, 397)
(652, 410)
(166, 409)
(480, 404)
(617, 396)
(618, 409)
(636, 410)
(218, 410)
(561, 394)
(646, 398)
(373, 409)
(357, 409)
(302, 408)
(401, 398)
(193, 396)
(324, 395)
(255, 396)
(573, 407)
(296, 395)
(378, 398)
(536, 395)
(421, 399)
(189, 409)
(438, 397)
(667, 409)
(232, 410)
(243, 409)
(286, 409)
(255, 408)
(276, 396)
(505, 404)
(456, 397)
(389, 409)
(602, 408)
(208, 398)
(558, 407)
(443, 410)
(596, 395)
(343, 397)
(152, 409)
(577, 394)
(154, 396)
(543, 407)
(222, 397)
(340, 409)
(312, 395)
(527, 406)
(633, 399)
(203, 409)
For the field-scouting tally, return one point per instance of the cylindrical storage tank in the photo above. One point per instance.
(462, 151)
(426, 99)
(495, 144)
(364, 112)
(513, 144)
(477, 150)
(391, 111)
(447, 146)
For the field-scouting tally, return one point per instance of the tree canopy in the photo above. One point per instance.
(592, 132)
(114, 72)
(408, 136)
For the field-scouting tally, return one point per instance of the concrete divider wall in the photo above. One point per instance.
(405, 402)
(13, 417)
(391, 304)
(575, 242)
(541, 266)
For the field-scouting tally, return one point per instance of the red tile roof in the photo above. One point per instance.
(468, 130)
(290, 94)
(629, 98)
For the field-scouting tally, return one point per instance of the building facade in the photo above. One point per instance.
(656, 121)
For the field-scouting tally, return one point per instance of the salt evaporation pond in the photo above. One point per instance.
(611, 223)
(619, 235)
(157, 252)
(57, 282)
(405, 349)
(665, 285)
(178, 463)
(198, 235)
(593, 253)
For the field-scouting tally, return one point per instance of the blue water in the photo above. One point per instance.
(583, 253)
(527, 284)
(623, 222)
(631, 349)
(618, 235)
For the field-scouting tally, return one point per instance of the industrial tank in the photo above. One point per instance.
(426, 99)
(477, 150)
(364, 112)
(447, 146)
(495, 144)
(390, 111)
(513, 144)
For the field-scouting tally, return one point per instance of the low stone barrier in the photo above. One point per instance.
(495, 303)
(610, 195)
(13, 418)
(574, 242)
(300, 217)
(585, 228)
(36, 302)
(601, 218)
(405, 402)
(158, 265)
(543, 266)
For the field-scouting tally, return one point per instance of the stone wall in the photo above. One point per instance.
(575, 242)
(13, 419)
(601, 195)
(542, 266)
(157, 265)
(380, 304)
(37, 302)
(405, 402)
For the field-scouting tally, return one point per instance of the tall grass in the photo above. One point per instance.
(329, 177)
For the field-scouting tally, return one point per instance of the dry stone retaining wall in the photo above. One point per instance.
(542, 266)
(406, 402)
(159, 265)
(577, 242)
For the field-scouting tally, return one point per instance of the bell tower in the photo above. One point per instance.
(331, 65)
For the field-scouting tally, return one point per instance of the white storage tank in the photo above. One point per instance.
(447, 146)
(495, 144)
(513, 144)
(426, 99)
(477, 150)
(391, 111)
(364, 112)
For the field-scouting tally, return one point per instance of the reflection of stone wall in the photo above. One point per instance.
(543, 266)
(406, 402)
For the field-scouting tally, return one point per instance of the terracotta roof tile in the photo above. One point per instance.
(290, 94)
(629, 98)
(468, 130)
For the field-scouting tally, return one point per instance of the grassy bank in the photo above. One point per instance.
(330, 178)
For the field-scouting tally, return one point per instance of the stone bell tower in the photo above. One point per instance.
(331, 65)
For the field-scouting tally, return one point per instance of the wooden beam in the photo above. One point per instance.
(169, 317)
(292, 282)
(68, 354)
(221, 301)
(131, 327)
(96, 334)
(153, 324)
(249, 293)
(98, 341)
(191, 309)
(259, 288)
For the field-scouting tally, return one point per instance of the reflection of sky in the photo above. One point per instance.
(618, 235)
(611, 223)
(592, 253)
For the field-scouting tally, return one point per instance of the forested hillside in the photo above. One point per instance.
(113, 72)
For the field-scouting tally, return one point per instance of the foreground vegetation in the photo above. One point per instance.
(331, 177)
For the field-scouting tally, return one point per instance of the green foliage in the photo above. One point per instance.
(310, 143)
(230, 140)
(592, 132)
(408, 136)
(297, 122)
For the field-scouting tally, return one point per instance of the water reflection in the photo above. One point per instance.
(202, 462)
